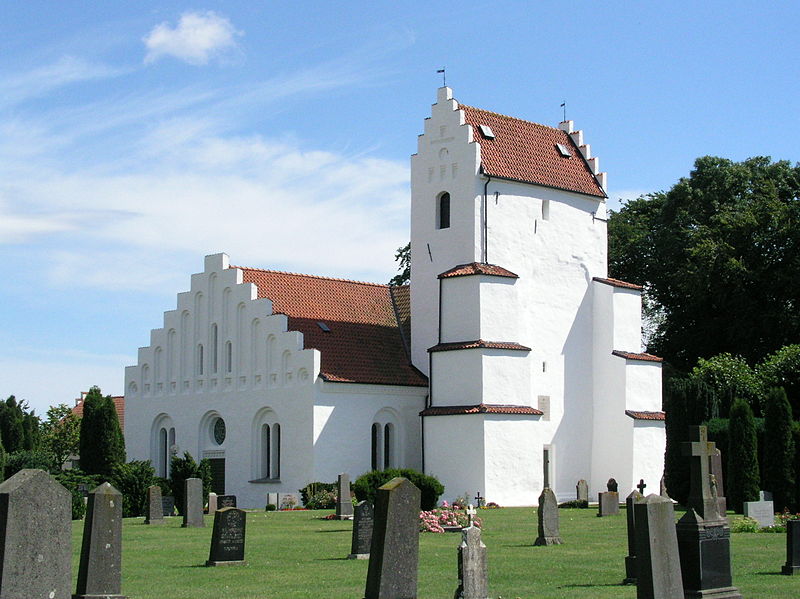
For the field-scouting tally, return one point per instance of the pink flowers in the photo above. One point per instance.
(436, 519)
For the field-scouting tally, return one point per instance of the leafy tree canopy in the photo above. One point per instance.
(61, 433)
(403, 258)
(719, 257)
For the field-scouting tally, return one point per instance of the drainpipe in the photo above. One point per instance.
(485, 258)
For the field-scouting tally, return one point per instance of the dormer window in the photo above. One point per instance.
(443, 211)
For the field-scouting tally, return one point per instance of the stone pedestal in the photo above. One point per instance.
(705, 552)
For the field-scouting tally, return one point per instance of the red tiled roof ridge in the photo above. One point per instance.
(478, 268)
(617, 283)
(300, 274)
(645, 415)
(481, 408)
(478, 343)
(643, 356)
(505, 116)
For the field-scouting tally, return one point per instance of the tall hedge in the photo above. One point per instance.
(101, 445)
(676, 466)
(779, 449)
(742, 478)
(366, 486)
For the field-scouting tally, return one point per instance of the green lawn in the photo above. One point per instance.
(297, 555)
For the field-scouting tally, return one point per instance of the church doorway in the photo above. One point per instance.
(218, 475)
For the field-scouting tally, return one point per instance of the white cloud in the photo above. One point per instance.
(618, 197)
(198, 38)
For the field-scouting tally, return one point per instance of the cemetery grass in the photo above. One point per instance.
(297, 555)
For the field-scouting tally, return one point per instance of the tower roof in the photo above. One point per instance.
(528, 152)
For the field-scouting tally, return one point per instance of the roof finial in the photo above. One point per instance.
(444, 76)
(564, 106)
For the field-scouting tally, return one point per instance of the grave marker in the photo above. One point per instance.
(362, 530)
(630, 560)
(35, 537)
(155, 506)
(227, 538)
(394, 553)
(761, 511)
(582, 491)
(212, 503)
(715, 466)
(344, 502)
(641, 487)
(168, 503)
(548, 519)
(100, 570)
(792, 565)
(226, 501)
(612, 486)
(657, 563)
(473, 572)
(193, 503)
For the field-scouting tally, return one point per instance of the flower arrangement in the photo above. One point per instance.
(437, 519)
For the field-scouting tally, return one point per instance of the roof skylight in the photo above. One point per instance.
(325, 328)
(486, 131)
(564, 151)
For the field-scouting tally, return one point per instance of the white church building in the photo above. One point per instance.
(511, 362)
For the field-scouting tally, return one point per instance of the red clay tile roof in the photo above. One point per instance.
(119, 406)
(525, 151)
(618, 283)
(645, 415)
(477, 268)
(632, 356)
(480, 408)
(364, 344)
(478, 343)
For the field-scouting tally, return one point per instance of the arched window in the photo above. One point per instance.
(271, 451)
(214, 345)
(443, 211)
(163, 453)
(386, 440)
(200, 359)
(228, 357)
(387, 446)
(377, 446)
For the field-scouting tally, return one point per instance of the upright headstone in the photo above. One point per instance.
(227, 538)
(792, 565)
(612, 485)
(100, 570)
(715, 467)
(168, 503)
(344, 502)
(212, 503)
(35, 537)
(362, 530)
(473, 571)
(641, 487)
(663, 488)
(608, 502)
(548, 519)
(394, 553)
(193, 503)
(582, 491)
(155, 506)
(272, 499)
(703, 533)
(226, 501)
(630, 559)
(761, 511)
(658, 570)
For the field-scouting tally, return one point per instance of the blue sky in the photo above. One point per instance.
(137, 137)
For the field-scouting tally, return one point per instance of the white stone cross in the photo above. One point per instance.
(471, 514)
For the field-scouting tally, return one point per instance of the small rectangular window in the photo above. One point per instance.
(486, 131)
(564, 151)
(545, 209)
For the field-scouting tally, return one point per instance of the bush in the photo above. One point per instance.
(322, 500)
(730, 377)
(271, 507)
(743, 474)
(366, 485)
(436, 519)
(132, 480)
(575, 504)
(782, 369)
(186, 467)
(311, 489)
(778, 463)
(27, 458)
(71, 479)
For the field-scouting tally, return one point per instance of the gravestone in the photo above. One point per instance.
(100, 570)
(168, 503)
(394, 553)
(548, 519)
(227, 538)
(155, 506)
(716, 469)
(608, 503)
(344, 502)
(226, 501)
(35, 537)
(479, 501)
(765, 495)
(212, 503)
(362, 530)
(641, 487)
(473, 571)
(272, 499)
(582, 491)
(703, 533)
(792, 565)
(193, 503)
(612, 486)
(658, 569)
(761, 511)
(630, 559)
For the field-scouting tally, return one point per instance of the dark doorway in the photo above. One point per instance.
(218, 475)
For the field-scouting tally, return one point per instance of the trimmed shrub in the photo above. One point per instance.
(366, 485)
(778, 464)
(132, 480)
(101, 445)
(742, 478)
(186, 467)
(574, 504)
(311, 489)
(322, 500)
(27, 458)
(71, 479)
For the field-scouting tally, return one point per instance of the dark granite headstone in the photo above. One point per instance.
(612, 486)
(193, 503)
(168, 503)
(100, 570)
(608, 503)
(35, 537)
(227, 538)
(394, 553)
(362, 530)
(792, 565)
(473, 571)
(226, 501)
(155, 506)
(715, 466)
(630, 559)
(703, 534)
(548, 519)
(582, 491)
(344, 502)
(658, 570)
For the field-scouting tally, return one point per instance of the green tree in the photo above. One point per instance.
(742, 477)
(782, 369)
(101, 443)
(729, 376)
(186, 467)
(12, 429)
(403, 257)
(717, 255)
(779, 474)
(61, 434)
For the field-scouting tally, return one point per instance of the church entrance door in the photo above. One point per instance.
(218, 475)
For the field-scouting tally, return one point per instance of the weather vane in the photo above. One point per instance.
(444, 77)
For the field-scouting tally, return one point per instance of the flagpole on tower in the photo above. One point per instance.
(564, 106)
(444, 76)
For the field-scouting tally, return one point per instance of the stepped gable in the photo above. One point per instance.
(363, 344)
(527, 152)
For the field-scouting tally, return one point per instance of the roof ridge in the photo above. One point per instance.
(300, 274)
(506, 116)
